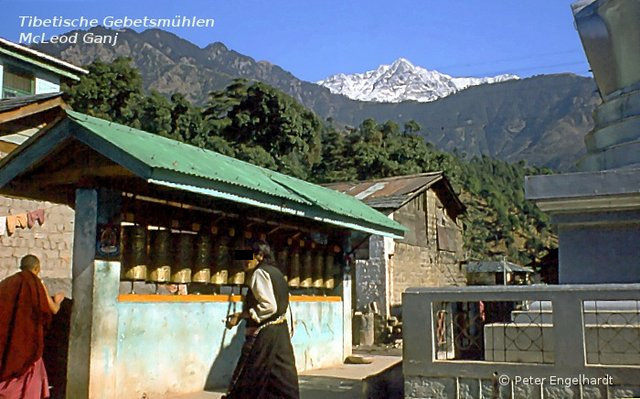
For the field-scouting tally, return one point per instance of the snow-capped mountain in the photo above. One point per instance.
(402, 81)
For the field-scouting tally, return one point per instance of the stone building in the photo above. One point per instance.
(428, 256)
(30, 99)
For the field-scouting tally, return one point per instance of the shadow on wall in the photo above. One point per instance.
(222, 368)
(56, 346)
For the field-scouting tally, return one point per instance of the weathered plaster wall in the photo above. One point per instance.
(318, 334)
(373, 275)
(184, 347)
(52, 242)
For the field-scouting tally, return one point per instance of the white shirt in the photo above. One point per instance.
(262, 288)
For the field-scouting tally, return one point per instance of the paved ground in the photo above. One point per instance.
(380, 379)
(199, 395)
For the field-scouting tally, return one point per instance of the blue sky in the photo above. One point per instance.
(313, 39)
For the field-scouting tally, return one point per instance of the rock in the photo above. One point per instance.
(357, 359)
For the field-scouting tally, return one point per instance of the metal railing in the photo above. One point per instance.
(493, 330)
(475, 332)
(612, 332)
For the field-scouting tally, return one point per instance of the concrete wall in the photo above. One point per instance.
(52, 242)
(173, 347)
(184, 347)
(426, 377)
(613, 253)
(475, 388)
(470, 388)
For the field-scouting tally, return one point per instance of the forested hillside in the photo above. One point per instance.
(541, 120)
(260, 124)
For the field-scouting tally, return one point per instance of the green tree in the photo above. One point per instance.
(411, 127)
(257, 115)
(109, 91)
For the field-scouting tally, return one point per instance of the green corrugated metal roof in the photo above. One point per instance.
(184, 165)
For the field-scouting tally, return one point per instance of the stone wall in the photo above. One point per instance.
(415, 266)
(52, 242)
(470, 388)
(418, 262)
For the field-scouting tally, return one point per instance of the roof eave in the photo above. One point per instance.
(57, 69)
(299, 210)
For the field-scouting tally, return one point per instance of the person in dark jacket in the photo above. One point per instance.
(266, 368)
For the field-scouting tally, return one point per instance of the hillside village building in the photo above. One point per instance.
(148, 212)
(430, 253)
(30, 99)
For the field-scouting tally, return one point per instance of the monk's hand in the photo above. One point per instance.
(58, 298)
(233, 320)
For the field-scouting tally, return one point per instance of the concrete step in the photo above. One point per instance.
(382, 378)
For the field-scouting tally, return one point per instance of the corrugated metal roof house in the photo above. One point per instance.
(431, 250)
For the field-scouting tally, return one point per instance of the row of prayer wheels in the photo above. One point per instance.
(160, 256)
(308, 268)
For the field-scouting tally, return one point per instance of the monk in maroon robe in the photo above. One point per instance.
(25, 312)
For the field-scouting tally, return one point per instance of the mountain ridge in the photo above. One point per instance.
(541, 120)
(402, 81)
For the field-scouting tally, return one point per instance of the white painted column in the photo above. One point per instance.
(347, 312)
(94, 316)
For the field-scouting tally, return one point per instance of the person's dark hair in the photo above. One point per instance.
(29, 262)
(261, 247)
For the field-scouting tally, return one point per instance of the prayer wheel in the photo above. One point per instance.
(294, 268)
(306, 275)
(221, 259)
(318, 270)
(160, 256)
(204, 259)
(282, 259)
(329, 273)
(236, 271)
(134, 253)
(182, 258)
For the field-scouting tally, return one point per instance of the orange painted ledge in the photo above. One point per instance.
(214, 298)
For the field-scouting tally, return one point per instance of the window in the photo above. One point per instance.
(17, 82)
